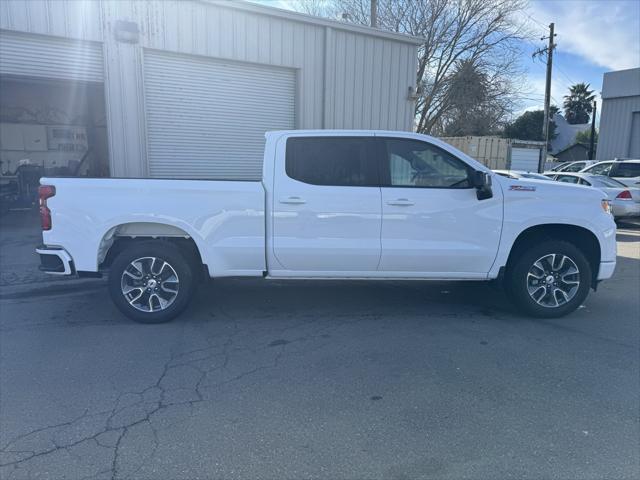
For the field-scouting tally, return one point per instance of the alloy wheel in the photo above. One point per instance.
(553, 280)
(150, 284)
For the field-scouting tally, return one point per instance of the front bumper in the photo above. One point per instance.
(55, 260)
(606, 270)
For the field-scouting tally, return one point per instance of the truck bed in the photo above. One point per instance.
(224, 218)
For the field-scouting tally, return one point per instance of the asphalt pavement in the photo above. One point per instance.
(337, 380)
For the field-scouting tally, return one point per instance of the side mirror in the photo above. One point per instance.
(481, 181)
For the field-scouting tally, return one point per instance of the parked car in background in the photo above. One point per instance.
(573, 166)
(625, 171)
(624, 200)
(516, 174)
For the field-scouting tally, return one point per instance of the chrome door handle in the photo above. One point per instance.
(400, 202)
(293, 200)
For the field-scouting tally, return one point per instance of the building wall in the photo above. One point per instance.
(615, 136)
(573, 154)
(347, 76)
(618, 135)
(60, 18)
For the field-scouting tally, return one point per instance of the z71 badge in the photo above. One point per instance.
(522, 188)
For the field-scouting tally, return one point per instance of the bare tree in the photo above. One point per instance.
(318, 8)
(483, 32)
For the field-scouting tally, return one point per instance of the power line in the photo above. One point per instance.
(538, 22)
(560, 69)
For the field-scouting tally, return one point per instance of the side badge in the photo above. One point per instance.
(522, 188)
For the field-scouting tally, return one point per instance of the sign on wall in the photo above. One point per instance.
(67, 138)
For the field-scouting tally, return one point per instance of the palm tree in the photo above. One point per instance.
(578, 105)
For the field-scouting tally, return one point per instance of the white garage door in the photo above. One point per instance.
(207, 118)
(525, 159)
(50, 57)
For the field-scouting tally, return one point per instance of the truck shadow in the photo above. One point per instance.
(248, 299)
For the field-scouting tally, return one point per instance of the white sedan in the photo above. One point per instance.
(625, 201)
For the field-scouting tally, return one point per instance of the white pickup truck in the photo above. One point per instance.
(332, 205)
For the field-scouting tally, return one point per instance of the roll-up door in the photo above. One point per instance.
(50, 57)
(525, 159)
(206, 118)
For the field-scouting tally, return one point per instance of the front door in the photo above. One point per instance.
(433, 224)
(326, 206)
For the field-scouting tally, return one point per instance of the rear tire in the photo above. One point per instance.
(151, 282)
(549, 280)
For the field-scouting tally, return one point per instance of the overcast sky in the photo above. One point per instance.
(594, 36)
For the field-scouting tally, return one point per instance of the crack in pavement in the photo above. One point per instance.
(183, 381)
(188, 377)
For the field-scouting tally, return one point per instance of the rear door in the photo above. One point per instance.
(326, 206)
(433, 224)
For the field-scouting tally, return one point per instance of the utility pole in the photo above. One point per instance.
(547, 96)
(374, 13)
(593, 131)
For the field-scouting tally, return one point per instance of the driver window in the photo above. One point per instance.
(413, 163)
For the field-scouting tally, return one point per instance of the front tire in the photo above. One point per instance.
(151, 282)
(549, 280)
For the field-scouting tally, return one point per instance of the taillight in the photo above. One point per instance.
(624, 195)
(44, 192)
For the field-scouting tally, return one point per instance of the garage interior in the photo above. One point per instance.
(49, 127)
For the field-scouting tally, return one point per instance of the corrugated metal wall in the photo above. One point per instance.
(345, 78)
(189, 131)
(524, 159)
(616, 123)
(370, 78)
(490, 151)
(45, 57)
(60, 18)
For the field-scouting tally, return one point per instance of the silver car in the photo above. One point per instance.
(624, 171)
(625, 201)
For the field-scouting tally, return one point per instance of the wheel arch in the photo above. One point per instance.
(119, 237)
(584, 239)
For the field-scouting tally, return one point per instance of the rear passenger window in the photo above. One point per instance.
(626, 170)
(567, 179)
(338, 161)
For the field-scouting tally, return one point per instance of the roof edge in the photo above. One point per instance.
(251, 7)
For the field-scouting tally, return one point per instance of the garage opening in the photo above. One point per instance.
(49, 128)
(52, 113)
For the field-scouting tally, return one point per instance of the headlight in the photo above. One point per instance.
(606, 206)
